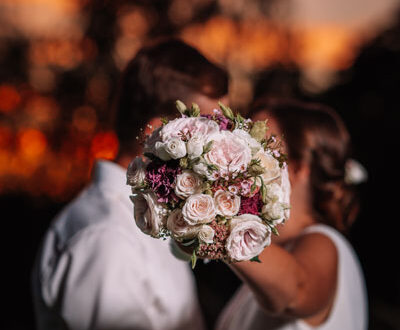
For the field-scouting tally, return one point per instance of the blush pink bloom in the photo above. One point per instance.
(228, 153)
(248, 237)
(188, 127)
(226, 203)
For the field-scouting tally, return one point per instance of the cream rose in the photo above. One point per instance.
(178, 226)
(187, 183)
(149, 214)
(248, 237)
(136, 173)
(226, 203)
(198, 209)
(271, 167)
(206, 234)
(228, 153)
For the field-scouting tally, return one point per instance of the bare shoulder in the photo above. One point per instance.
(317, 255)
(317, 251)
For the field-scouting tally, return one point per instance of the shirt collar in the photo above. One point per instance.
(111, 176)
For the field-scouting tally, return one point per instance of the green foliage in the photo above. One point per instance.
(255, 259)
(207, 147)
(259, 130)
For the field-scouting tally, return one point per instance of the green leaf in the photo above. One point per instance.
(195, 110)
(183, 162)
(254, 185)
(194, 259)
(207, 147)
(228, 113)
(255, 259)
(274, 231)
(181, 107)
(164, 120)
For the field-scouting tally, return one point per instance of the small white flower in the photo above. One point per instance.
(187, 183)
(206, 234)
(175, 147)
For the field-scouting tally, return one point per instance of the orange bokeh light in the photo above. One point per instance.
(104, 145)
(9, 98)
(32, 143)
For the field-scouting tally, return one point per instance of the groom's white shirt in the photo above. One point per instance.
(96, 270)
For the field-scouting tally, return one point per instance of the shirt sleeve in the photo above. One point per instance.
(101, 285)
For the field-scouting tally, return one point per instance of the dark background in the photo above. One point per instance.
(54, 123)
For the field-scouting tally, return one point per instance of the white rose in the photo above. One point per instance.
(274, 211)
(175, 147)
(206, 234)
(195, 146)
(270, 165)
(136, 173)
(229, 153)
(149, 214)
(274, 192)
(187, 183)
(199, 208)
(248, 237)
(160, 152)
(226, 203)
(254, 145)
(178, 226)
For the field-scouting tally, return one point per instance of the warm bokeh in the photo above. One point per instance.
(60, 61)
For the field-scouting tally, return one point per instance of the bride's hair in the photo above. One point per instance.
(315, 134)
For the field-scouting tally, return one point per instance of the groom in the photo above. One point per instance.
(95, 269)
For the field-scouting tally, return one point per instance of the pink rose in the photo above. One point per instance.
(187, 127)
(229, 153)
(248, 237)
(198, 209)
(227, 203)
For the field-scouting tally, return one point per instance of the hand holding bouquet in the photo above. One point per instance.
(215, 183)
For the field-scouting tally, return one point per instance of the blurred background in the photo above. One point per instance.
(59, 64)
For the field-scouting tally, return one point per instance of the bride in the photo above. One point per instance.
(310, 277)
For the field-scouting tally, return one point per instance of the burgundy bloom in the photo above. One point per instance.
(251, 205)
(161, 178)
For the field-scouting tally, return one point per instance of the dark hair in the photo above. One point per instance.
(154, 79)
(315, 134)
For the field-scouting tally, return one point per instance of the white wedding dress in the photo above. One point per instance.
(349, 311)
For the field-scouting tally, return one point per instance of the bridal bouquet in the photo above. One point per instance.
(214, 183)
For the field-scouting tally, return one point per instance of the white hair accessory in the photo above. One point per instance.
(355, 172)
